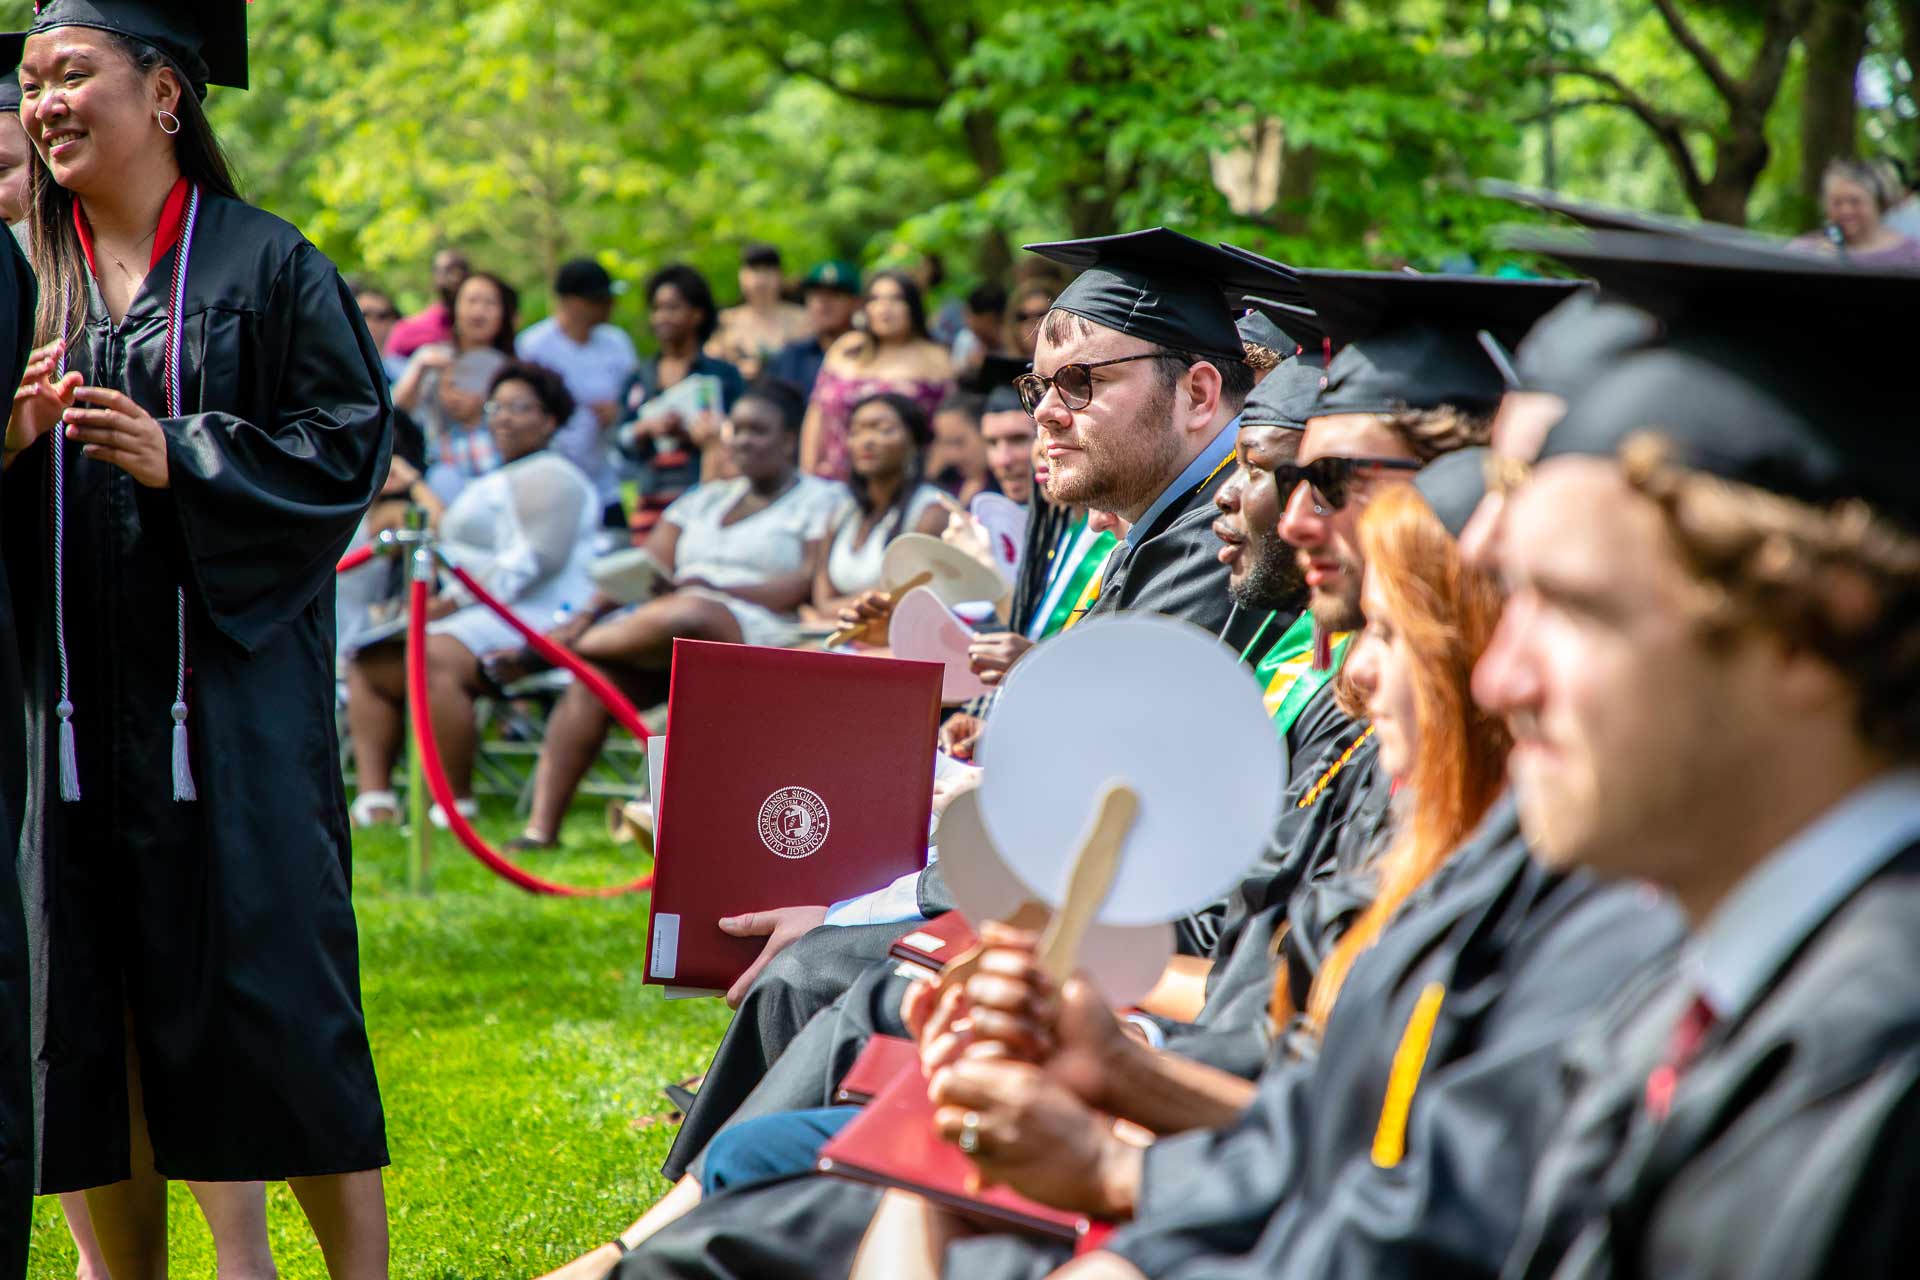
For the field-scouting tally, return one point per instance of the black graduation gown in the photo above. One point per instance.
(224, 925)
(1792, 1149)
(17, 296)
(1522, 957)
(1173, 567)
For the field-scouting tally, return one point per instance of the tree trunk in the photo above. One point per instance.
(1835, 40)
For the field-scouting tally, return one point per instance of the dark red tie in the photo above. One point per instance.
(1682, 1047)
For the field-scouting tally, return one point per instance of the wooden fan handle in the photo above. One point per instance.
(1094, 869)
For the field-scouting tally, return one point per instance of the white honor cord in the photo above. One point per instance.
(69, 754)
(183, 788)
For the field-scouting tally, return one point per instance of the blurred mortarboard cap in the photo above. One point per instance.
(994, 373)
(836, 274)
(10, 93)
(1453, 485)
(584, 278)
(205, 39)
(1412, 341)
(1818, 412)
(1003, 399)
(1578, 341)
(1599, 217)
(1161, 286)
(1285, 397)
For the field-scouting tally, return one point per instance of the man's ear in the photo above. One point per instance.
(1202, 396)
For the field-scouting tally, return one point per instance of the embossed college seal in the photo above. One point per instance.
(793, 822)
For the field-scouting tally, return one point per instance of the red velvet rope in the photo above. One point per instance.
(435, 771)
(356, 557)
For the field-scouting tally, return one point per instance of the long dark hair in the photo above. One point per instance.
(920, 428)
(1046, 525)
(910, 292)
(58, 259)
(509, 310)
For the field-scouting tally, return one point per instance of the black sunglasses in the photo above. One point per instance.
(1074, 382)
(1331, 478)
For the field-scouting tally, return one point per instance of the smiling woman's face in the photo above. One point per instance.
(88, 110)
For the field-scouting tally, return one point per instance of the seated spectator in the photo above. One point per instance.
(1031, 302)
(888, 444)
(739, 553)
(894, 354)
(984, 332)
(752, 333)
(597, 360)
(446, 383)
(673, 450)
(1855, 197)
(831, 292)
(435, 324)
(957, 461)
(1010, 437)
(382, 316)
(525, 532)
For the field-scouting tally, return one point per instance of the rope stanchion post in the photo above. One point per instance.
(420, 842)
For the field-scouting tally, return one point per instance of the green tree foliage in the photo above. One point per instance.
(529, 131)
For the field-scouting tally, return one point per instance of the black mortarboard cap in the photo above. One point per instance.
(1412, 341)
(1003, 399)
(1820, 412)
(1599, 217)
(1578, 341)
(1161, 286)
(10, 93)
(1285, 397)
(205, 39)
(1295, 323)
(1453, 485)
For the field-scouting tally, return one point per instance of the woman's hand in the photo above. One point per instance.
(1035, 1136)
(955, 784)
(959, 734)
(869, 612)
(113, 429)
(991, 657)
(39, 400)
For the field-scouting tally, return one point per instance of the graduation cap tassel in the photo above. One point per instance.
(1322, 647)
(56, 452)
(183, 788)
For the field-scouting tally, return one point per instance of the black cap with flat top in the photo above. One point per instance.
(1600, 217)
(1822, 409)
(10, 93)
(1412, 341)
(205, 39)
(1161, 286)
(1295, 323)
(1285, 397)
(1453, 485)
(1578, 341)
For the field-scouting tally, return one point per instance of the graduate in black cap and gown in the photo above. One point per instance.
(1716, 567)
(16, 157)
(205, 424)
(17, 299)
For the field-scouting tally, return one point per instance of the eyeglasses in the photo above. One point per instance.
(1331, 478)
(1074, 382)
(494, 408)
(380, 313)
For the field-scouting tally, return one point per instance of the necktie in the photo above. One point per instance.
(1683, 1046)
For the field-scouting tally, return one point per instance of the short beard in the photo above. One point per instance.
(1274, 582)
(1130, 473)
(1336, 613)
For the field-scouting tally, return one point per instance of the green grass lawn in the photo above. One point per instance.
(520, 1060)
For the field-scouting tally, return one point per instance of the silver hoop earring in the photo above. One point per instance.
(167, 118)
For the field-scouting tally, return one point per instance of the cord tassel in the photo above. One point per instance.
(183, 788)
(1322, 647)
(69, 754)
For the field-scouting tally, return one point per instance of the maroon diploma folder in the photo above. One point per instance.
(883, 1058)
(932, 946)
(795, 779)
(892, 1143)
